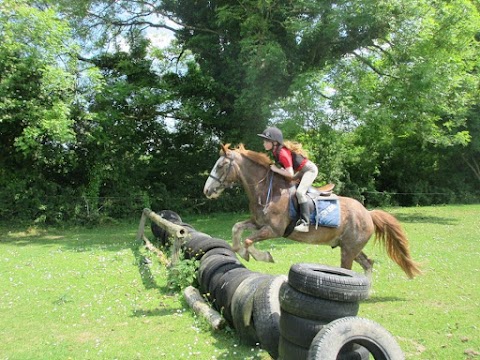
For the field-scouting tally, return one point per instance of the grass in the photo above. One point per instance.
(83, 293)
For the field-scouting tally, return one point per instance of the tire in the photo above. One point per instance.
(242, 308)
(328, 282)
(214, 281)
(328, 343)
(226, 287)
(201, 247)
(219, 251)
(266, 314)
(190, 248)
(299, 331)
(159, 233)
(356, 352)
(209, 266)
(291, 351)
(314, 308)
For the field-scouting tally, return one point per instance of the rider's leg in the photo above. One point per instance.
(310, 172)
(303, 224)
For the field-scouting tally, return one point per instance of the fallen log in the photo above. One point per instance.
(201, 307)
(162, 258)
(178, 232)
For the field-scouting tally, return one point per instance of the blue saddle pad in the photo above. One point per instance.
(325, 212)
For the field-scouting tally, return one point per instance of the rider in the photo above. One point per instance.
(295, 165)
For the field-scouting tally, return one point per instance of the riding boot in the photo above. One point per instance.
(303, 224)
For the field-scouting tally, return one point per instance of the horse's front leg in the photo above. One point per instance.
(264, 233)
(237, 232)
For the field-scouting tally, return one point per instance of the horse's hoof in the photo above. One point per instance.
(264, 256)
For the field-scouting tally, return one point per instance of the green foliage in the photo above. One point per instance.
(183, 274)
(97, 123)
(36, 91)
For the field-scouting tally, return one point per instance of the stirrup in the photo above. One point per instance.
(302, 227)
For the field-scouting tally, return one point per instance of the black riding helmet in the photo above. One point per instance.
(272, 134)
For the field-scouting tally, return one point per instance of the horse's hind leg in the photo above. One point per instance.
(365, 263)
(347, 258)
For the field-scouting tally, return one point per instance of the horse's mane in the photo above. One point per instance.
(258, 157)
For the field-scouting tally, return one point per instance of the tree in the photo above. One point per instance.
(249, 53)
(36, 92)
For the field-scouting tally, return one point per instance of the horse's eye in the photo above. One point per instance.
(221, 164)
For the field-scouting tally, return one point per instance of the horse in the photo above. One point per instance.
(269, 200)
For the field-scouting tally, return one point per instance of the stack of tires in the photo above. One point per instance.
(248, 300)
(314, 296)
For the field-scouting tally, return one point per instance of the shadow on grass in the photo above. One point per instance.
(383, 299)
(156, 312)
(419, 218)
(143, 262)
(75, 240)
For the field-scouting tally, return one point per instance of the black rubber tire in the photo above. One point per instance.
(266, 314)
(190, 247)
(219, 251)
(201, 247)
(290, 351)
(214, 281)
(329, 282)
(209, 266)
(356, 352)
(242, 308)
(299, 331)
(328, 343)
(159, 233)
(314, 308)
(227, 285)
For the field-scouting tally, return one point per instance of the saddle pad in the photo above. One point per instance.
(327, 213)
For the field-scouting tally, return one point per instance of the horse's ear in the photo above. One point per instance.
(224, 149)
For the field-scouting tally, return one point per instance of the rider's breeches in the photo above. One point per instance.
(308, 174)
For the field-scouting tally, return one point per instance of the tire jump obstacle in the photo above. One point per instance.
(311, 313)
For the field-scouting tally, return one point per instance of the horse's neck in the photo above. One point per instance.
(258, 182)
(253, 176)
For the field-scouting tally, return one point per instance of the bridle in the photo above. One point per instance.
(222, 181)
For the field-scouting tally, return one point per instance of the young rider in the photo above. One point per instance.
(295, 165)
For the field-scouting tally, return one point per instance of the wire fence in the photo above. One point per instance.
(92, 209)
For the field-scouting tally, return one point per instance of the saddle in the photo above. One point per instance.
(325, 190)
(320, 200)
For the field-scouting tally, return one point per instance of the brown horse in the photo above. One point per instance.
(269, 195)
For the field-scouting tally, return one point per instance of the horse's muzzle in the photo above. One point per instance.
(211, 193)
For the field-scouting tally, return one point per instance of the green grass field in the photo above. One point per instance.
(81, 293)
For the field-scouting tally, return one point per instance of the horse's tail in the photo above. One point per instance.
(389, 231)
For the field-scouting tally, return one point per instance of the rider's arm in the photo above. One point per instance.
(287, 173)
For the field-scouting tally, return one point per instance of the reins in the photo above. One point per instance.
(230, 167)
(269, 192)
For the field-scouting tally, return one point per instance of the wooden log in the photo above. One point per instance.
(161, 256)
(172, 229)
(201, 307)
(141, 227)
(178, 232)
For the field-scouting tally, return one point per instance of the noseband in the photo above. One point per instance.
(222, 181)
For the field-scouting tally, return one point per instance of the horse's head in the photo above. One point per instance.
(223, 174)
